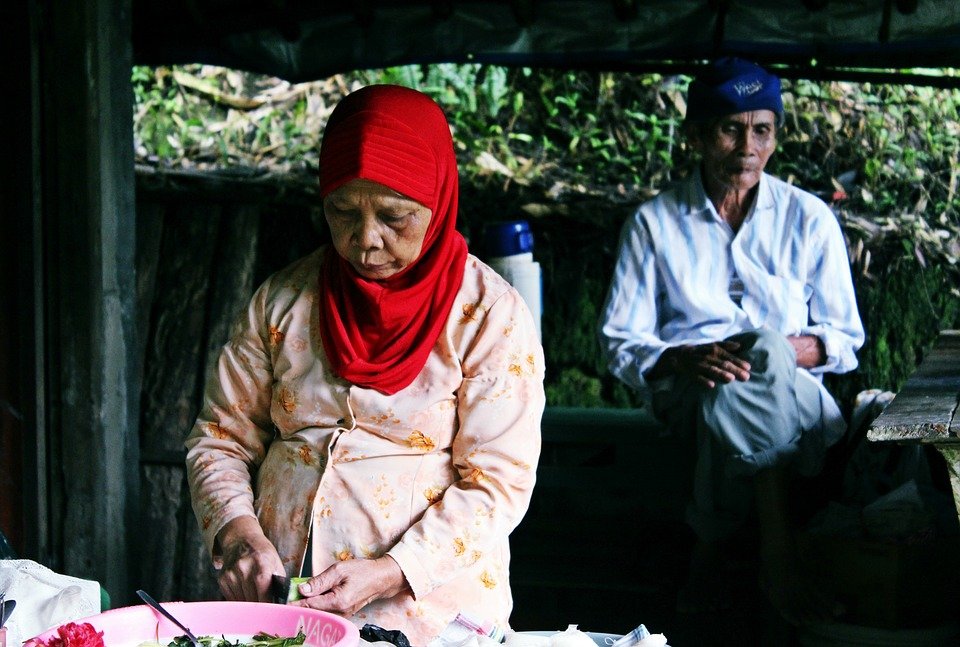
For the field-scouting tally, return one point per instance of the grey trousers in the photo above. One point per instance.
(771, 420)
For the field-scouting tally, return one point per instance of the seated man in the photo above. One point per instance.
(731, 296)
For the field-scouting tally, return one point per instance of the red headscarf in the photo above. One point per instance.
(378, 333)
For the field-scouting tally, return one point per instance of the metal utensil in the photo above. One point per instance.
(283, 589)
(279, 588)
(6, 608)
(166, 614)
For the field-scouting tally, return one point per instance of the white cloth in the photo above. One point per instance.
(44, 598)
(677, 256)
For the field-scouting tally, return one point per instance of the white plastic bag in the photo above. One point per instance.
(44, 598)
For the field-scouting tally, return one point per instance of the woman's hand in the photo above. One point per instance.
(249, 561)
(707, 363)
(346, 587)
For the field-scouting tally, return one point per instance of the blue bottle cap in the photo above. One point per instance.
(507, 238)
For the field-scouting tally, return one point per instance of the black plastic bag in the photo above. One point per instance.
(373, 633)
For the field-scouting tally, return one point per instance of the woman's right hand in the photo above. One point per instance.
(249, 561)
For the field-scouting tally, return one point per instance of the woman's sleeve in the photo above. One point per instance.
(233, 429)
(499, 407)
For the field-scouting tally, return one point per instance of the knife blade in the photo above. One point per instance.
(284, 589)
(279, 588)
(6, 608)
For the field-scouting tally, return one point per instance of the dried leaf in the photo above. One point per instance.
(192, 82)
(490, 164)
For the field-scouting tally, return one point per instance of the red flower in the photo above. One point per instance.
(74, 635)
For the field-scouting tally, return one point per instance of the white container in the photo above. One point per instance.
(508, 249)
(523, 273)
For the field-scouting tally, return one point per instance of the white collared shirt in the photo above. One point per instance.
(671, 282)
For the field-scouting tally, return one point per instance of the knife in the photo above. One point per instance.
(284, 589)
(166, 614)
(6, 608)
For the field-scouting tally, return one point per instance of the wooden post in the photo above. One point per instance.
(91, 358)
(24, 512)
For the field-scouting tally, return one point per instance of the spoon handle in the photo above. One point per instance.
(166, 614)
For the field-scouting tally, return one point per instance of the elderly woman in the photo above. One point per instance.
(378, 407)
(731, 298)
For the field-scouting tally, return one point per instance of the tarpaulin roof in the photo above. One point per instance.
(299, 41)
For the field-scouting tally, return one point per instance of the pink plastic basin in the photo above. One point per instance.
(129, 626)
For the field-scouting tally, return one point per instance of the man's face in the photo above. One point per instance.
(735, 149)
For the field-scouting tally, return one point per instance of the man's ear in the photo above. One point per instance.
(693, 134)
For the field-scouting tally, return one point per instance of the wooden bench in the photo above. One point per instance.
(925, 409)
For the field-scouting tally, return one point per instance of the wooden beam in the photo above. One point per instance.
(89, 245)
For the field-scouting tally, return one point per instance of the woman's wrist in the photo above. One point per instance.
(393, 575)
(244, 529)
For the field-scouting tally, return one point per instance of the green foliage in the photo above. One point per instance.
(902, 316)
(207, 117)
(575, 152)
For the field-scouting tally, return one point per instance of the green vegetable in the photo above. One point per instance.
(294, 593)
(261, 639)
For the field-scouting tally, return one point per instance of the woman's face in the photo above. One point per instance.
(374, 228)
(736, 149)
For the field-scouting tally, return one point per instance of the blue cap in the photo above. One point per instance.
(731, 85)
(507, 238)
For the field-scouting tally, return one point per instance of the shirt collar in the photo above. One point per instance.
(697, 202)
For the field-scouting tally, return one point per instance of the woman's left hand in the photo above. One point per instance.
(348, 586)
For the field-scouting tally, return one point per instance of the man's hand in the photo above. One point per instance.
(708, 363)
(809, 349)
(348, 586)
(249, 560)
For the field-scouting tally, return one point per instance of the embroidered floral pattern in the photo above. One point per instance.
(471, 312)
(276, 336)
(362, 466)
(287, 400)
(306, 454)
(433, 494)
(418, 440)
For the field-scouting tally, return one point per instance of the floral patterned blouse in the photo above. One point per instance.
(436, 475)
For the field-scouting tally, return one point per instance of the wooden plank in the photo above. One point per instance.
(162, 488)
(173, 360)
(244, 185)
(171, 381)
(232, 278)
(231, 288)
(150, 217)
(925, 409)
(198, 579)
